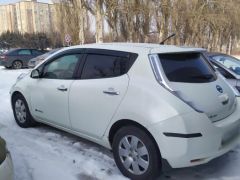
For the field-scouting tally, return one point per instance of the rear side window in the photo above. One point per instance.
(187, 67)
(104, 66)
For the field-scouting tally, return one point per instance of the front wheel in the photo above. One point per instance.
(136, 154)
(21, 112)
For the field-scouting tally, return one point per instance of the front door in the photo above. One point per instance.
(49, 94)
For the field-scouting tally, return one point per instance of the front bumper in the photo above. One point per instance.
(217, 138)
(6, 169)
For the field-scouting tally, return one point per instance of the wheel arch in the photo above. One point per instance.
(14, 94)
(127, 122)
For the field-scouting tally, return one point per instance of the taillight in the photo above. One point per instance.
(3, 57)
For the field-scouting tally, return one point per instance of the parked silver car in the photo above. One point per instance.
(35, 61)
(228, 66)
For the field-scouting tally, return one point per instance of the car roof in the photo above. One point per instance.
(23, 49)
(138, 47)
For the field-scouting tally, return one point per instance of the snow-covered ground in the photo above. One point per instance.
(45, 153)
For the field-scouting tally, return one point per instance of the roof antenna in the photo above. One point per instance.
(172, 35)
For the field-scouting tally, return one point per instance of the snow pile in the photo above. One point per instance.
(45, 153)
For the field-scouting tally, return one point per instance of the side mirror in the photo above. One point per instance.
(35, 74)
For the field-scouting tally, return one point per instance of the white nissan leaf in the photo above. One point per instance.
(149, 103)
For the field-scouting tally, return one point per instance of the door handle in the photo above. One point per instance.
(111, 92)
(62, 88)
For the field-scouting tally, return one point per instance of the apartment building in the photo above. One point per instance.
(27, 16)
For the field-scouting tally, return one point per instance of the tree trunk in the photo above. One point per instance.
(99, 22)
(82, 12)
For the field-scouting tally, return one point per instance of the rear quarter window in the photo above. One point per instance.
(187, 67)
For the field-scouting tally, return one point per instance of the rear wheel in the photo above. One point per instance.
(136, 154)
(21, 112)
(17, 64)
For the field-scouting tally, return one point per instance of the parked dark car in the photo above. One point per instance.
(35, 61)
(228, 66)
(18, 58)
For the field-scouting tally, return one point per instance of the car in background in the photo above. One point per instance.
(228, 66)
(35, 61)
(149, 103)
(18, 58)
(6, 166)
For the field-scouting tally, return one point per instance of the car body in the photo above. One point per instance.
(149, 103)
(6, 166)
(228, 66)
(35, 61)
(18, 58)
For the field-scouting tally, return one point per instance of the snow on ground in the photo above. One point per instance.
(45, 153)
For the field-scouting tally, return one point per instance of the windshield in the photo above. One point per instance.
(187, 67)
(229, 62)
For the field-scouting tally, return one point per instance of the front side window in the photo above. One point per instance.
(24, 52)
(37, 53)
(61, 68)
(104, 66)
(186, 67)
(229, 62)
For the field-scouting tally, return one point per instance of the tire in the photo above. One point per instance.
(144, 166)
(17, 64)
(21, 112)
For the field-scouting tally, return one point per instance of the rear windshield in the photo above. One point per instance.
(187, 67)
(11, 52)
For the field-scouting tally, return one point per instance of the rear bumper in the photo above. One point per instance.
(5, 63)
(216, 138)
(6, 169)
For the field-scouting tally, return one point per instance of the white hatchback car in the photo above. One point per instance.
(147, 102)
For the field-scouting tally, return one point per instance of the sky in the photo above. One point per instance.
(12, 1)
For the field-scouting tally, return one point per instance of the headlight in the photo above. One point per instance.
(3, 150)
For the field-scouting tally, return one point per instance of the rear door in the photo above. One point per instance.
(94, 98)
(195, 81)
